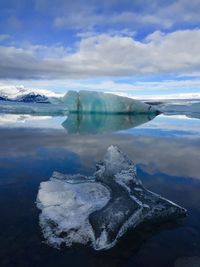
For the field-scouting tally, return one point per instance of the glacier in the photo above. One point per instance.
(98, 102)
(98, 210)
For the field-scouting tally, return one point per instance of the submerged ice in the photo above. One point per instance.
(97, 102)
(98, 210)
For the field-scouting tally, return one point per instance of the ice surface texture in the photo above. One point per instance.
(98, 210)
(96, 102)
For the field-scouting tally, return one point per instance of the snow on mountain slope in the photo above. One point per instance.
(16, 92)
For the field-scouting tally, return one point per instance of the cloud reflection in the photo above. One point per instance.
(155, 152)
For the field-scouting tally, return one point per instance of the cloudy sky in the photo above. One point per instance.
(132, 47)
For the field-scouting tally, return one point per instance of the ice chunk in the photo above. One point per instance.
(66, 208)
(190, 109)
(103, 123)
(97, 102)
(98, 210)
(41, 109)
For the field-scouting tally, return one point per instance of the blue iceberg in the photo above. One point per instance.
(97, 102)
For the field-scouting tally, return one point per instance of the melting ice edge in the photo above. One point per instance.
(98, 210)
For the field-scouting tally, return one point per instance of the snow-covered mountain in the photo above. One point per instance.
(3, 98)
(21, 94)
(32, 97)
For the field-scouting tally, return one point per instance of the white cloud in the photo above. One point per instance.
(123, 32)
(105, 55)
(4, 37)
(109, 15)
(86, 20)
(134, 14)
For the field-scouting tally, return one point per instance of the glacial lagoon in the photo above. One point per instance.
(165, 150)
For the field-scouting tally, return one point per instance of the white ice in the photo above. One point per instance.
(66, 207)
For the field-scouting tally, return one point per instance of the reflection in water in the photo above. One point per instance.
(167, 144)
(166, 153)
(77, 123)
(103, 123)
(31, 121)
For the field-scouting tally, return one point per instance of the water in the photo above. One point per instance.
(166, 151)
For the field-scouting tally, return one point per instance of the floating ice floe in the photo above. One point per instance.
(189, 108)
(97, 102)
(39, 109)
(98, 210)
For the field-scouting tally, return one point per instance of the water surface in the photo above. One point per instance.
(165, 150)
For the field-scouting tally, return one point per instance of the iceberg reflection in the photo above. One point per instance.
(103, 123)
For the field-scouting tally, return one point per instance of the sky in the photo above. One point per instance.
(136, 48)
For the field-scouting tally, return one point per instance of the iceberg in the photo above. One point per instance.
(189, 108)
(98, 210)
(97, 102)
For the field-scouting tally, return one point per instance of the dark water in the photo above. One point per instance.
(166, 151)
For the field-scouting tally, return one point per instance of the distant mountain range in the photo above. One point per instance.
(32, 97)
(21, 94)
(29, 98)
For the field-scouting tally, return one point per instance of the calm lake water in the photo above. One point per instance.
(166, 151)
